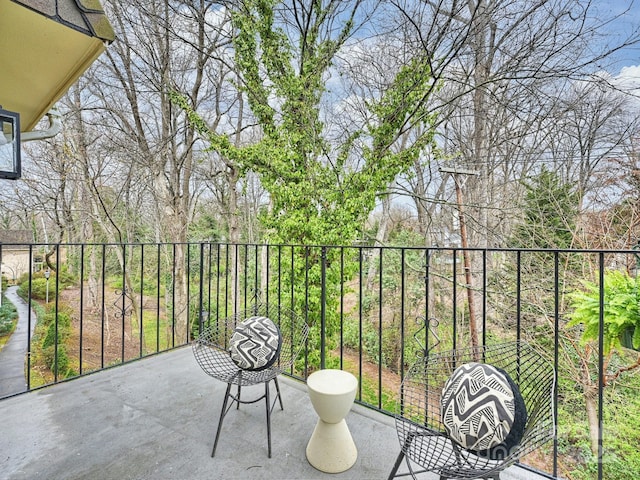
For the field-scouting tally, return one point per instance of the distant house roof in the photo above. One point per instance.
(15, 239)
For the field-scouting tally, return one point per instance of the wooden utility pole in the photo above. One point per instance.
(473, 326)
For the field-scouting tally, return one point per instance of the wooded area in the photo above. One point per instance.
(317, 112)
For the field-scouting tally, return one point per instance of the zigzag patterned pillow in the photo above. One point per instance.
(255, 343)
(482, 410)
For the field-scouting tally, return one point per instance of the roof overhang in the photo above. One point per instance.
(45, 46)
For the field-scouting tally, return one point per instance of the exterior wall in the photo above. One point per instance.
(14, 264)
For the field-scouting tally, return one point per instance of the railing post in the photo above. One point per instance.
(601, 372)
(57, 299)
(323, 305)
(201, 286)
(29, 317)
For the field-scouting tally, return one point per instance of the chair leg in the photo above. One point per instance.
(495, 476)
(239, 389)
(396, 465)
(223, 412)
(268, 402)
(278, 391)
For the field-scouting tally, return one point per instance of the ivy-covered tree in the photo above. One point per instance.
(321, 191)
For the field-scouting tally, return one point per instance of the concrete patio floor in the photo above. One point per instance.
(156, 419)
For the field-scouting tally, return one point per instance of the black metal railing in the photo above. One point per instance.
(93, 306)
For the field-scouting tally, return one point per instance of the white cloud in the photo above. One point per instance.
(629, 76)
(628, 81)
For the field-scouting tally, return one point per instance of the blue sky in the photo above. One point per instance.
(625, 25)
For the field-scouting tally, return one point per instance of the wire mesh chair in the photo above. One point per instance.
(425, 442)
(213, 352)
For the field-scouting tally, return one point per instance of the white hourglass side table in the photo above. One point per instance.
(331, 448)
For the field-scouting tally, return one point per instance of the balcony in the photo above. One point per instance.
(135, 307)
(156, 419)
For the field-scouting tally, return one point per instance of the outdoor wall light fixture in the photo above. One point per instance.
(10, 166)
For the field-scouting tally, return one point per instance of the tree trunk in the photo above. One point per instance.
(381, 239)
(591, 403)
(181, 299)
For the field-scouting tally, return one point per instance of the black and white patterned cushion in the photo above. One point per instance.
(482, 410)
(255, 343)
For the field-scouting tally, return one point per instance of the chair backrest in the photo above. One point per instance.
(293, 329)
(421, 391)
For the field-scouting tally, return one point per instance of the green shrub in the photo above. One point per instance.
(64, 328)
(64, 369)
(8, 317)
(38, 288)
(621, 309)
(39, 284)
(6, 326)
(50, 337)
(47, 323)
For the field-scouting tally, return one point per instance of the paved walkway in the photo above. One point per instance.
(12, 355)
